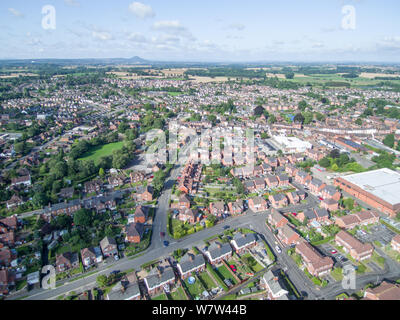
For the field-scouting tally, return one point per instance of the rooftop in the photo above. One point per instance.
(383, 183)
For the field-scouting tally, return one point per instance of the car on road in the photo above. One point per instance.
(279, 250)
(116, 258)
(320, 198)
(333, 251)
(226, 227)
(166, 243)
(115, 272)
(233, 268)
(162, 234)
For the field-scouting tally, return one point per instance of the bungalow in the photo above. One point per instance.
(358, 250)
(278, 200)
(316, 264)
(236, 207)
(217, 208)
(158, 278)
(91, 256)
(276, 219)
(190, 263)
(109, 247)
(134, 232)
(243, 242)
(287, 235)
(217, 252)
(67, 261)
(258, 204)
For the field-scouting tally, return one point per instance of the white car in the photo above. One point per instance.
(278, 249)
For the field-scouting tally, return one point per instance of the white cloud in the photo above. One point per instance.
(72, 3)
(137, 37)
(141, 10)
(15, 12)
(237, 26)
(173, 27)
(103, 36)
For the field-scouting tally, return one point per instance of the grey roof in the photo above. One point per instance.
(107, 241)
(310, 214)
(217, 250)
(156, 279)
(383, 183)
(321, 212)
(316, 182)
(331, 190)
(129, 292)
(190, 262)
(274, 282)
(134, 229)
(244, 239)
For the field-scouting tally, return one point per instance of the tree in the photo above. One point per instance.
(83, 218)
(325, 162)
(289, 75)
(302, 105)
(389, 140)
(299, 118)
(272, 119)
(101, 172)
(359, 122)
(102, 281)
(335, 154)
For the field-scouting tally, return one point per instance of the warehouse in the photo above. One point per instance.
(380, 189)
(291, 144)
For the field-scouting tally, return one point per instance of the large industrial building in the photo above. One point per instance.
(291, 144)
(380, 189)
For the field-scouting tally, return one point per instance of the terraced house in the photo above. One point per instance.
(243, 242)
(358, 250)
(316, 264)
(158, 278)
(217, 252)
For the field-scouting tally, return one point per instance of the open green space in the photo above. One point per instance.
(207, 281)
(178, 294)
(96, 153)
(195, 289)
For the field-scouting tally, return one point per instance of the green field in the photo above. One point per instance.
(102, 151)
(178, 294)
(174, 94)
(206, 279)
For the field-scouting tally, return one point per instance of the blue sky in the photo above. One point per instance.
(187, 30)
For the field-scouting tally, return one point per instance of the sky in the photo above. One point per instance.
(202, 31)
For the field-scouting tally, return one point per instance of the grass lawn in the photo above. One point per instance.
(160, 297)
(178, 294)
(102, 151)
(224, 273)
(337, 274)
(207, 280)
(256, 267)
(174, 94)
(195, 289)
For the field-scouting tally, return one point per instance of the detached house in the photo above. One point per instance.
(93, 186)
(217, 208)
(144, 194)
(134, 232)
(109, 247)
(24, 180)
(15, 201)
(275, 286)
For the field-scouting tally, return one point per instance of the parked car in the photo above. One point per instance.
(233, 268)
(279, 250)
(333, 251)
(166, 243)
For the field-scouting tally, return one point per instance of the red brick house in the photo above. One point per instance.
(287, 235)
(316, 264)
(258, 204)
(217, 208)
(236, 207)
(358, 250)
(276, 219)
(67, 261)
(278, 200)
(134, 232)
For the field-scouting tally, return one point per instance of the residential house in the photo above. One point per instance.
(358, 250)
(316, 186)
(236, 207)
(144, 194)
(283, 180)
(243, 242)
(272, 181)
(24, 180)
(258, 204)
(159, 278)
(91, 256)
(385, 291)
(276, 219)
(15, 201)
(190, 263)
(330, 192)
(116, 181)
(357, 219)
(330, 205)
(316, 264)
(137, 177)
(7, 281)
(67, 261)
(275, 286)
(217, 208)
(217, 252)
(127, 289)
(67, 193)
(134, 232)
(109, 247)
(141, 214)
(184, 201)
(395, 243)
(287, 235)
(93, 186)
(302, 177)
(278, 200)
